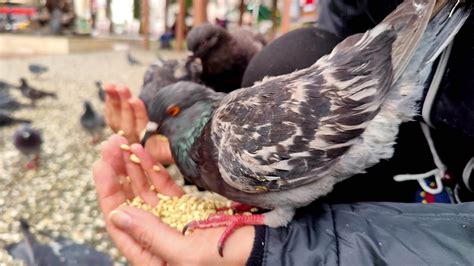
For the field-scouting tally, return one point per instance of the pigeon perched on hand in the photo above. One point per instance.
(165, 72)
(289, 139)
(132, 60)
(100, 90)
(32, 93)
(37, 69)
(92, 122)
(28, 141)
(224, 54)
(6, 119)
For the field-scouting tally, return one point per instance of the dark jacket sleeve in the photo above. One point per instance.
(346, 17)
(371, 234)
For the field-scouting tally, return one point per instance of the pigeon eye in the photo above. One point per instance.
(173, 110)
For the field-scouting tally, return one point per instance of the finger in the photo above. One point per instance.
(130, 248)
(111, 153)
(109, 192)
(157, 174)
(127, 124)
(139, 181)
(112, 107)
(141, 115)
(151, 233)
(159, 149)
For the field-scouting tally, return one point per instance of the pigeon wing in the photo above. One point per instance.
(290, 130)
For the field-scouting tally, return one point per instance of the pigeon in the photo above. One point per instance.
(28, 141)
(6, 119)
(165, 72)
(92, 122)
(287, 140)
(132, 60)
(224, 54)
(5, 86)
(57, 251)
(8, 103)
(32, 93)
(100, 90)
(37, 69)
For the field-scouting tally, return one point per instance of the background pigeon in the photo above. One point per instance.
(5, 85)
(132, 60)
(287, 140)
(37, 69)
(32, 93)
(7, 102)
(28, 141)
(224, 54)
(165, 72)
(56, 252)
(92, 122)
(6, 119)
(100, 90)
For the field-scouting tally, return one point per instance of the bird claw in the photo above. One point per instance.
(33, 164)
(231, 222)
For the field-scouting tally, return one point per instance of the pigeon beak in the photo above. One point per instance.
(152, 128)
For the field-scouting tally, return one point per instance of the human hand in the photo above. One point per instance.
(128, 114)
(140, 236)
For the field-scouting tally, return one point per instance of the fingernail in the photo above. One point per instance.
(162, 138)
(120, 219)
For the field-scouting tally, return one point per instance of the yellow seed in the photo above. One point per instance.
(156, 168)
(121, 132)
(125, 147)
(152, 187)
(260, 188)
(129, 180)
(254, 210)
(134, 158)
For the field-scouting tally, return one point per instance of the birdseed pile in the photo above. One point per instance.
(59, 197)
(178, 212)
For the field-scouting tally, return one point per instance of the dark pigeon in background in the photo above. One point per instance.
(286, 141)
(165, 72)
(100, 90)
(28, 141)
(6, 119)
(32, 93)
(37, 69)
(92, 122)
(5, 86)
(224, 54)
(132, 60)
(7, 102)
(57, 251)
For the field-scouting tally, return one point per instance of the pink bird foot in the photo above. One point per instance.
(232, 222)
(33, 164)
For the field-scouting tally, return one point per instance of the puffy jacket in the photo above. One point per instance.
(370, 234)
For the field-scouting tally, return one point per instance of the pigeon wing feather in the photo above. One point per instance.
(290, 130)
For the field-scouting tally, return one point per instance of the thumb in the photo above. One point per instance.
(149, 231)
